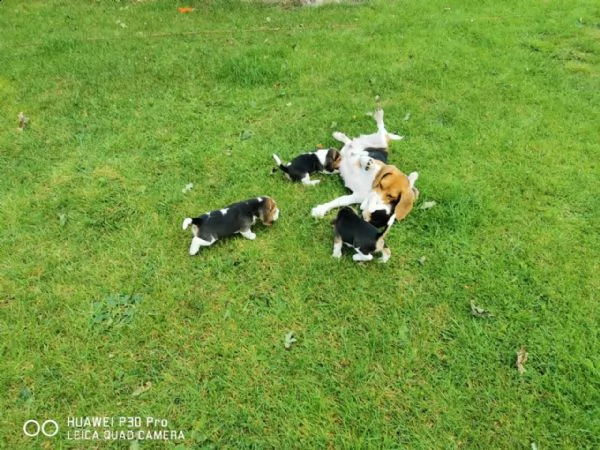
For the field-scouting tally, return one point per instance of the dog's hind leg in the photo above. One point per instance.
(385, 254)
(197, 243)
(337, 247)
(382, 137)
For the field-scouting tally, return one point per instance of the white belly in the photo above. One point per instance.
(357, 179)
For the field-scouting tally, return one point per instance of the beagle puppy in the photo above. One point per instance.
(353, 231)
(367, 176)
(235, 218)
(300, 168)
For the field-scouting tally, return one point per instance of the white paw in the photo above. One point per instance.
(195, 246)
(249, 235)
(308, 182)
(412, 178)
(319, 211)
(361, 257)
(339, 136)
(337, 254)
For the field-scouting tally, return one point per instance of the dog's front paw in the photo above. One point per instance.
(309, 182)
(319, 211)
(339, 136)
(248, 235)
(195, 246)
(337, 253)
(361, 257)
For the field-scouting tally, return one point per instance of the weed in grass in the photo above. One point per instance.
(114, 311)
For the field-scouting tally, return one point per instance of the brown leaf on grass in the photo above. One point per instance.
(246, 134)
(23, 121)
(479, 312)
(141, 389)
(185, 9)
(522, 357)
(428, 205)
(290, 339)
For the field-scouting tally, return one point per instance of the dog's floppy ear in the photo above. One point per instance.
(268, 211)
(393, 186)
(405, 204)
(390, 183)
(337, 159)
(333, 159)
(384, 172)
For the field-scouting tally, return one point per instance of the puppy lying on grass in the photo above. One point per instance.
(300, 168)
(233, 219)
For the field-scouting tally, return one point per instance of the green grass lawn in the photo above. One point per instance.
(104, 313)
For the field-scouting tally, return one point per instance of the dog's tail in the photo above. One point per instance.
(187, 222)
(280, 164)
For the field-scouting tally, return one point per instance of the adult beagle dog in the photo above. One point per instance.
(233, 219)
(375, 185)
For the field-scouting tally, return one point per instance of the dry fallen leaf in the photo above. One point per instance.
(23, 121)
(289, 340)
(522, 357)
(185, 9)
(62, 219)
(479, 312)
(141, 389)
(428, 205)
(246, 134)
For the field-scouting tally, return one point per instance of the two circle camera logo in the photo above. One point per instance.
(33, 428)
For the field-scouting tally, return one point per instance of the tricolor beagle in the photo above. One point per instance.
(374, 184)
(377, 213)
(355, 232)
(300, 168)
(235, 218)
